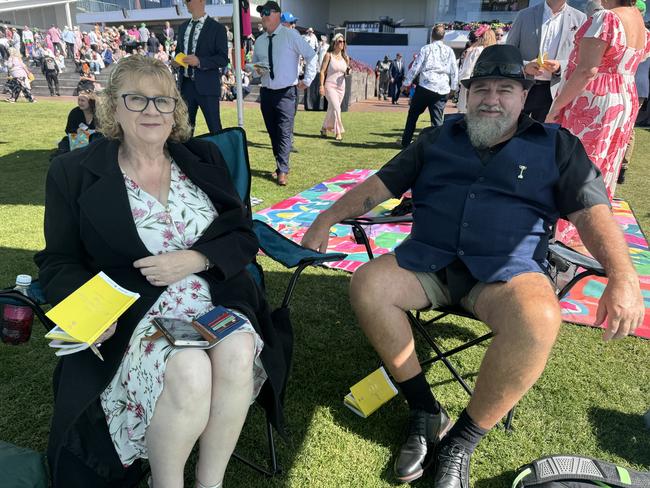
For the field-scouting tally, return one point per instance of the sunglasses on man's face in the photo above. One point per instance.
(267, 11)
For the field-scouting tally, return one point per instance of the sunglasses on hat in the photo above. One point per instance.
(488, 68)
(265, 12)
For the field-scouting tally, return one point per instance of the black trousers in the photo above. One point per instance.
(52, 82)
(423, 99)
(279, 112)
(539, 100)
(209, 105)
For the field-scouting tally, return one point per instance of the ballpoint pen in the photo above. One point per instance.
(96, 352)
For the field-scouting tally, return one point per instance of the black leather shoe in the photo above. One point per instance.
(452, 466)
(424, 431)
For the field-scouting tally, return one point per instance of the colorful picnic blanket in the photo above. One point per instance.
(292, 217)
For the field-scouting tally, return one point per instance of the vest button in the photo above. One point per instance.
(461, 252)
(433, 266)
(472, 195)
(465, 224)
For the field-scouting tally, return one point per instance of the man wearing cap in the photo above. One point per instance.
(487, 188)
(204, 42)
(288, 20)
(276, 57)
(547, 29)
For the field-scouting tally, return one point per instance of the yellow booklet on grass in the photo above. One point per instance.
(370, 393)
(86, 313)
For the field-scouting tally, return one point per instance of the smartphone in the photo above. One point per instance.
(180, 333)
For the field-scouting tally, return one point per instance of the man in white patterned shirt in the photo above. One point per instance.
(438, 72)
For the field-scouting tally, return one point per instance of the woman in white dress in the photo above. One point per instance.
(484, 37)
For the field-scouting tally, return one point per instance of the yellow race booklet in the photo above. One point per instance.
(85, 314)
(370, 393)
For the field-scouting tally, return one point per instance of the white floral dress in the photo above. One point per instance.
(129, 400)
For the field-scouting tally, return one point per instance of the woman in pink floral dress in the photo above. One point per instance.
(598, 101)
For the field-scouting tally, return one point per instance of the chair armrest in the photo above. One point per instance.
(573, 257)
(404, 219)
(287, 252)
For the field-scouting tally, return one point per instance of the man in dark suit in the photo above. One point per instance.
(205, 43)
(397, 74)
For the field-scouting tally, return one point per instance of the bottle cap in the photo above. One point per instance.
(23, 280)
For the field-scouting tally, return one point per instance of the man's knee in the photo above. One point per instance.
(369, 283)
(524, 310)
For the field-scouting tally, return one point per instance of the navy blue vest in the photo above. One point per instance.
(495, 217)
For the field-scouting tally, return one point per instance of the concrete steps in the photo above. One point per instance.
(68, 80)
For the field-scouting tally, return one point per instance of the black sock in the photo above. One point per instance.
(465, 432)
(418, 394)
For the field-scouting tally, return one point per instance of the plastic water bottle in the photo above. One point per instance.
(17, 320)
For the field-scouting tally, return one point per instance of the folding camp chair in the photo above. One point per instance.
(562, 259)
(233, 147)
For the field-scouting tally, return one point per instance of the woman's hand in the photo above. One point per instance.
(552, 117)
(165, 269)
(108, 333)
(321, 90)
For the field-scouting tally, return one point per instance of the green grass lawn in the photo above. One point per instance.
(590, 399)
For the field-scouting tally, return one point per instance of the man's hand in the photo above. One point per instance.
(533, 69)
(622, 306)
(316, 237)
(552, 65)
(302, 86)
(192, 60)
(165, 269)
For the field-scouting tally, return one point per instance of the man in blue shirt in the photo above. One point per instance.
(276, 57)
(487, 189)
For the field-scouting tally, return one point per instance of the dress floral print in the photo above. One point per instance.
(603, 116)
(129, 400)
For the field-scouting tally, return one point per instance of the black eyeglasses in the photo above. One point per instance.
(488, 68)
(135, 102)
(267, 11)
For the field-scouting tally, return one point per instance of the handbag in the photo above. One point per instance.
(30, 76)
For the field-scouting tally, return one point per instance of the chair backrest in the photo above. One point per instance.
(234, 149)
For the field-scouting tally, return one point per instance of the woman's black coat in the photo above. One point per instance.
(89, 228)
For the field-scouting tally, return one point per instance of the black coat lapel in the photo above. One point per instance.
(105, 203)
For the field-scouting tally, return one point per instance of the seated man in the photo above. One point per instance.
(487, 188)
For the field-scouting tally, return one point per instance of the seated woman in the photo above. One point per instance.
(157, 211)
(81, 123)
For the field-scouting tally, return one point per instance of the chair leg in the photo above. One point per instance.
(439, 354)
(275, 469)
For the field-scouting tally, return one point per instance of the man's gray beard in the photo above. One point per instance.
(485, 132)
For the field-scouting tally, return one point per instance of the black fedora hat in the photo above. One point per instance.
(269, 6)
(499, 61)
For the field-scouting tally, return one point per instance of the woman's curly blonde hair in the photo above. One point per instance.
(128, 71)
